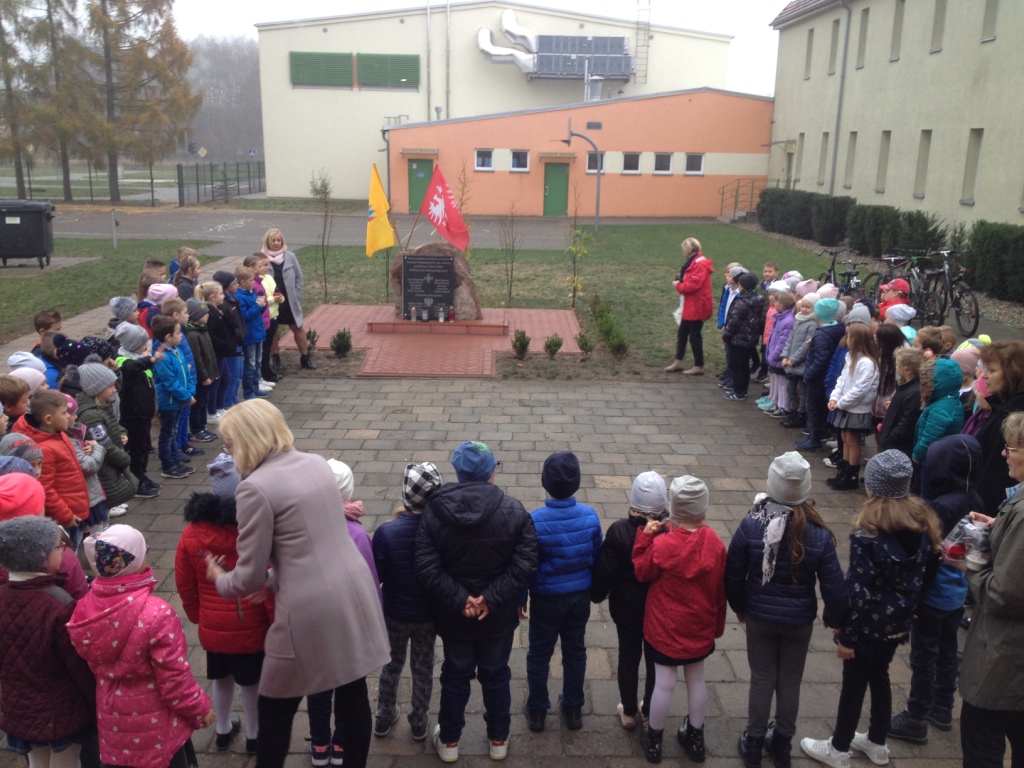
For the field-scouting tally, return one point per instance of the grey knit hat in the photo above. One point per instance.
(789, 479)
(122, 306)
(888, 474)
(197, 310)
(224, 477)
(648, 493)
(95, 377)
(131, 337)
(26, 542)
(688, 499)
(859, 314)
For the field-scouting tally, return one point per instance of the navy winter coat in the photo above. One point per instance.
(789, 598)
(823, 345)
(568, 540)
(745, 324)
(394, 547)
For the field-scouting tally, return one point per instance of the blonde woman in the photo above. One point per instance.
(287, 274)
(328, 631)
(694, 288)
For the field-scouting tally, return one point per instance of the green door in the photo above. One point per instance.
(420, 172)
(556, 189)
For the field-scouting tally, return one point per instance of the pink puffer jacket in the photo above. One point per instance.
(147, 702)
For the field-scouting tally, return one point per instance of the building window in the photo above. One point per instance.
(663, 162)
(924, 149)
(823, 159)
(329, 70)
(485, 159)
(971, 166)
(851, 154)
(988, 24)
(809, 55)
(631, 162)
(897, 30)
(593, 161)
(388, 70)
(938, 25)
(883, 162)
(694, 165)
(799, 158)
(520, 160)
(862, 38)
(834, 48)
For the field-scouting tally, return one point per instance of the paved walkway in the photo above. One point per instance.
(618, 431)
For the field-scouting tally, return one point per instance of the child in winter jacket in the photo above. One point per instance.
(124, 310)
(904, 409)
(684, 560)
(742, 332)
(207, 370)
(781, 548)
(614, 578)
(893, 556)
(406, 605)
(176, 308)
(823, 344)
(941, 412)
(172, 393)
(47, 704)
(794, 353)
(231, 632)
(99, 385)
(147, 702)
(138, 401)
(568, 541)
(730, 290)
(90, 458)
(782, 327)
(852, 401)
(251, 307)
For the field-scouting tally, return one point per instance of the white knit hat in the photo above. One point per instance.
(649, 494)
(688, 499)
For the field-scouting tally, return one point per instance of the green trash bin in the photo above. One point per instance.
(26, 230)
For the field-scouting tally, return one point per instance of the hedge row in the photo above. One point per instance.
(995, 256)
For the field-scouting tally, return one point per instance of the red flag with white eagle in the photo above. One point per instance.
(440, 208)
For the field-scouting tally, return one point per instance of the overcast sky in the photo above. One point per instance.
(751, 55)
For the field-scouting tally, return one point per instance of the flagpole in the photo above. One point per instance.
(391, 221)
(414, 223)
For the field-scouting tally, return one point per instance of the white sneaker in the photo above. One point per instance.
(120, 509)
(267, 384)
(449, 753)
(213, 418)
(831, 445)
(824, 752)
(876, 753)
(499, 750)
(628, 721)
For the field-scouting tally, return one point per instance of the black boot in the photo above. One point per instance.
(652, 744)
(305, 361)
(795, 420)
(779, 748)
(692, 740)
(841, 469)
(849, 481)
(275, 362)
(750, 748)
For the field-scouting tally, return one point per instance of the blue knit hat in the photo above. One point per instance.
(826, 310)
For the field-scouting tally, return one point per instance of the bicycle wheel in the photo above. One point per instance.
(870, 287)
(938, 287)
(930, 309)
(823, 278)
(965, 307)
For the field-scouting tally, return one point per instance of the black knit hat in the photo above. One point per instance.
(561, 475)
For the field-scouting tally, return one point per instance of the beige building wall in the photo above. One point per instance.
(955, 77)
(307, 129)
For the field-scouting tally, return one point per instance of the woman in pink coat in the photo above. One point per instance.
(147, 702)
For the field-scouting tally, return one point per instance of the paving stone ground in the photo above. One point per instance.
(618, 431)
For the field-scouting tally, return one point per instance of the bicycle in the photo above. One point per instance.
(907, 264)
(850, 285)
(954, 293)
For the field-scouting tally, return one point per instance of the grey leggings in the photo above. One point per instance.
(776, 654)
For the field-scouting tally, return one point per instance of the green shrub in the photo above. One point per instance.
(617, 344)
(585, 343)
(787, 211)
(995, 256)
(312, 338)
(828, 218)
(552, 344)
(768, 207)
(921, 231)
(873, 229)
(341, 343)
(520, 344)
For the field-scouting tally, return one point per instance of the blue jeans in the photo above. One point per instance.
(933, 660)
(319, 706)
(551, 617)
(251, 369)
(464, 659)
(183, 423)
(167, 446)
(197, 413)
(230, 380)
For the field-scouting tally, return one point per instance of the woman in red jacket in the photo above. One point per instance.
(694, 287)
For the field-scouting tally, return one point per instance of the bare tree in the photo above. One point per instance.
(511, 244)
(227, 70)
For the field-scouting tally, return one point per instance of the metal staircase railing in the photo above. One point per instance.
(742, 194)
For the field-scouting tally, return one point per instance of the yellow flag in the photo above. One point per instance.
(379, 232)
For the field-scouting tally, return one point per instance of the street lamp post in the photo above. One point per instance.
(600, 169)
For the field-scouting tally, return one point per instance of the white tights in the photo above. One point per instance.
(665, 679)
(224, 696)
(43, 757)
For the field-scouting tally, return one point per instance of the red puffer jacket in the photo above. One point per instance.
(212, 528)
(695, 287)
(67, 497)
(48, 691)
(686, 601)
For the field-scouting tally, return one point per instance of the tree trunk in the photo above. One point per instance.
(13, 122)
(109, 85)
(55, 63)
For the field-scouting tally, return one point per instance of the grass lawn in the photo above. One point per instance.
(300, 204)
(631, 267)
(80, 287)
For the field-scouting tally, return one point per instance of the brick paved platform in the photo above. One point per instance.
(399, 348)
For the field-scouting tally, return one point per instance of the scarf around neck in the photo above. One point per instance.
(776, 517)
(276, 257)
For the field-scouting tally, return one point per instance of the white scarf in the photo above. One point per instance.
(276, 257)
(776, 517)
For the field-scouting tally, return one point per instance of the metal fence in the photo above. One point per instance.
(219, 182)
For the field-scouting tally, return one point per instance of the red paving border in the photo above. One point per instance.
(464, 349)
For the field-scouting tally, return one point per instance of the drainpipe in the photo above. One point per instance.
(386, 135)
(448, 61)
(428, 61)
(839, 106)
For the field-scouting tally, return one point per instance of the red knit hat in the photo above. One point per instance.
(20, 495)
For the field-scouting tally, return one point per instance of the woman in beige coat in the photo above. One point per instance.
(328, 631)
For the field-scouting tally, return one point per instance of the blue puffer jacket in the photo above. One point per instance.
(723, 305)
(823, 345)
(569, 540)
(943, 415)
(394, 547)
(835, 368)
(171, 379)
(252, 315)
(189, 358)
(789, 598)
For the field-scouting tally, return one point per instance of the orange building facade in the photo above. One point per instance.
(663, 155)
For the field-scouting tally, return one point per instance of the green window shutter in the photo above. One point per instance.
(325, 69)
(385, 70)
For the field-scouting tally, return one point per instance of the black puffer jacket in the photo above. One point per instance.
(614, 577)
(475, 540)
(223, 328)
(789, 598)
(138, 393)
(745, 325)
(900, 421)
(995, 474)
(824, 342)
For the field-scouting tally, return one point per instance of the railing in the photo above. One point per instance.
(213, 182)
(742, 194)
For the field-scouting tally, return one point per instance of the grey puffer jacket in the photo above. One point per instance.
(798, 343)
